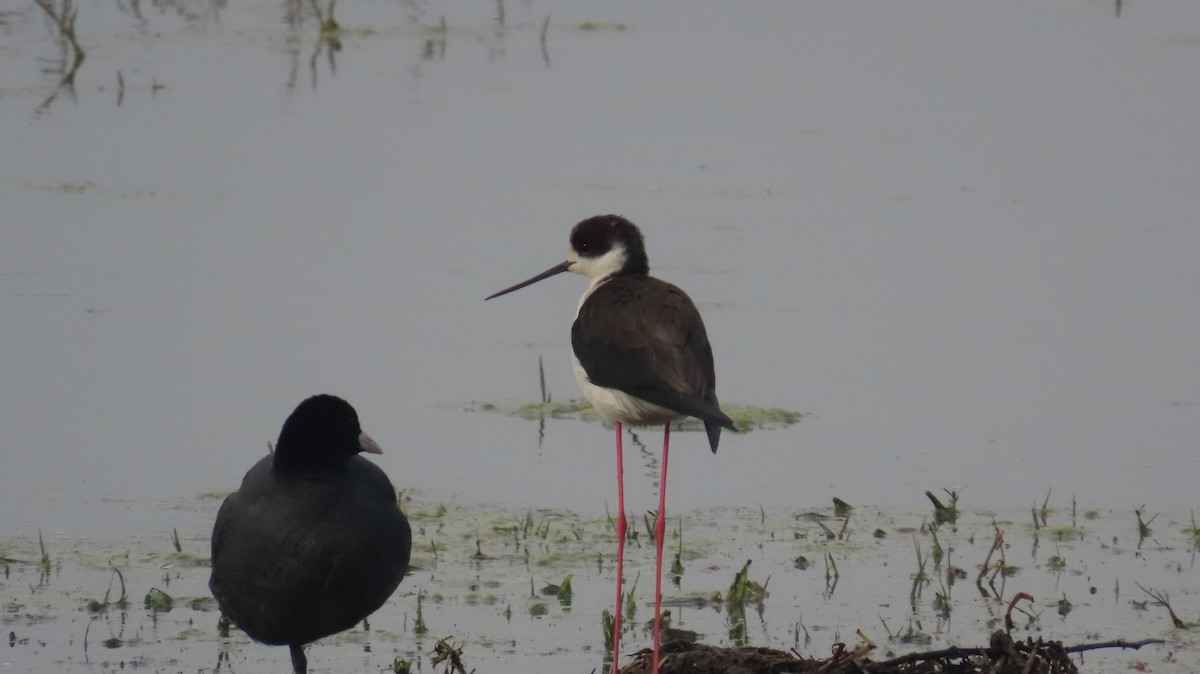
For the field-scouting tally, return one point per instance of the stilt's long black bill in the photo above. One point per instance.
(556, 269)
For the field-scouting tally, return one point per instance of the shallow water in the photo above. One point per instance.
(958, 237)
(482, 571)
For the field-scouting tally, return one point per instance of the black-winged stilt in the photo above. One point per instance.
(641, 356)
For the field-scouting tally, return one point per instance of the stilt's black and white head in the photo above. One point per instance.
(605, 245)
(601, 247)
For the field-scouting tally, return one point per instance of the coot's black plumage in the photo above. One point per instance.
(313, 541)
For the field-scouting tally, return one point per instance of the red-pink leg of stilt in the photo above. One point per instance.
(660, 529)
(621, 525)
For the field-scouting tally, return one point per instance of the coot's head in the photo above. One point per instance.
(321, 431)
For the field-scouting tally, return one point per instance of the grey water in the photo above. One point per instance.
(960, 238)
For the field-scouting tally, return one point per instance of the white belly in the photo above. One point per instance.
(621, 407)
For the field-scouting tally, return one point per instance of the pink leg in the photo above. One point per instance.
(660, 529)
(621, 526)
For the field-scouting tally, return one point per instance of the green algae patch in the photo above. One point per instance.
(1061, 533)
(600, 26)
(565, 560)
(475, 599)
(746, 417)
(179, 559)
(64, 186)
(749, 418)
(426, 513)
(207, 603)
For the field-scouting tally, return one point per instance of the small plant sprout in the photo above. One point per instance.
(986, 566)
(886, 629)
(829, 535)
(419, 626)
(935, 550)
(542, 381)
(920, 578)
(561, 591)
(844, 532)
(123, 600)
(677, 563)
(1056, 562)
(631, 601)
(944, 512)
(565, 594)
(1044, 512)
(796, 630)
(542, 40)
(664, 623)
(445, 653)
(1064, 606)
(606, 625)
(831, 575)
(1162, 599)
(63, 15)
(1012, 606)
(745, 590)
(45, 559)
(479, 556)
(1143, 525)
(941, 603)
(735, 605)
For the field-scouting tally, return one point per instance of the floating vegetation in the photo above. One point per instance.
(65, 186)
(1002, 655)
(746, 417)
(597, 26)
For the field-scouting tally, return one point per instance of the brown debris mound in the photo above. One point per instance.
(1002, 656)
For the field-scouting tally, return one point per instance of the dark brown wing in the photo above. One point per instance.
(645, 337)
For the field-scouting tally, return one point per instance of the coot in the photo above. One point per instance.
(313, 541)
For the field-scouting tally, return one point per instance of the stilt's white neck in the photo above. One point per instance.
(592, 285)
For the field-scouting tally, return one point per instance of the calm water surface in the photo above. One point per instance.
(960, 237)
